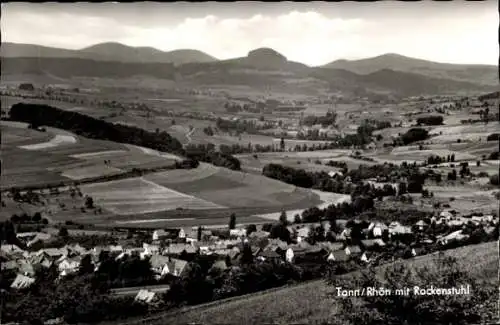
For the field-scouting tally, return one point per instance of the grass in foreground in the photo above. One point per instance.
(311, 303)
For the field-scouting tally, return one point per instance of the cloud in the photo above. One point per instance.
(310, 37)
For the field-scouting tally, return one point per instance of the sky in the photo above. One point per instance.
(313, 33)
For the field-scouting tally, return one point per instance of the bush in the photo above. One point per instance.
(413, 135)
(493, 137)
(494, 180)
(430, 120)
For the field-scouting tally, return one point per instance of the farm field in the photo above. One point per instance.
(311, 303)
(34, 158)
(137, 196)
(234, 189)
(303, 160)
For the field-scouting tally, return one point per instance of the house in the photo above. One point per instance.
(331, 247)
(69, 265)
(30, 238)
(159, 234)
(289, 255)
(22, 282)
(395, 228)
(303, 233)
(238, 232)
(115, 248)
(353, 250)
(268, 255)
(259, 234)
(145, 296)
(345, 234)
(335, 173)
(11, 250)
(176, 249)
(277, 245)
(337, 256)
(181, 234)
(366, 257)
(454, 236)
(150, 249)
(446, 214)
(372, 243)
(26, 268)
(421, 225)
(158, 262)
(9, 265)
(175, 267)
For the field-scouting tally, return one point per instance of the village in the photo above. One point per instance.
(170, 251)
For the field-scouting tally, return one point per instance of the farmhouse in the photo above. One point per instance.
(377, 228)
(353, 250)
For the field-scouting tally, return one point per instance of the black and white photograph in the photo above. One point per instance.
(327, 163)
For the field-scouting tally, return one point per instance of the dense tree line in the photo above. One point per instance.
(329, 119)
(238, 126)
(99, 129)
(207, 153)
(93, 128)
(430, 120)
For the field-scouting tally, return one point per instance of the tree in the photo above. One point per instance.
(37, 217)
(412, 309)
(282, 144)
(402, 188)
(86, 266)
(297, 219)
(89, 202)
(246, 255)
(63, 232)
(232, 221)
(251, 228)
(283, 218)
(199, 234)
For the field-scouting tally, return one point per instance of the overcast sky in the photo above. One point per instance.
(311, 33)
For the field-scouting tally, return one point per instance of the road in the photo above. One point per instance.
(132, 291)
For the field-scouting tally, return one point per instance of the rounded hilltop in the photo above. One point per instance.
(265, 54)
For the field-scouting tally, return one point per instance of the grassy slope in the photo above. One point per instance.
(309, 303)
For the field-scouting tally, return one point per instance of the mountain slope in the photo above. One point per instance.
(261, 69)
(106, 52)
(123, 53)
(484, 74)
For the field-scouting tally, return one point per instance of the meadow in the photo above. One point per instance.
(134, 196)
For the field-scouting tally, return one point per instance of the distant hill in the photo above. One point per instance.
(106, 52)
(261, 69)
(484, 74)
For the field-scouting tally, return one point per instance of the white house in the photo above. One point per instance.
(377, 228)
(365, 257)
(174, 267)
(69, 265)
(289, 255)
